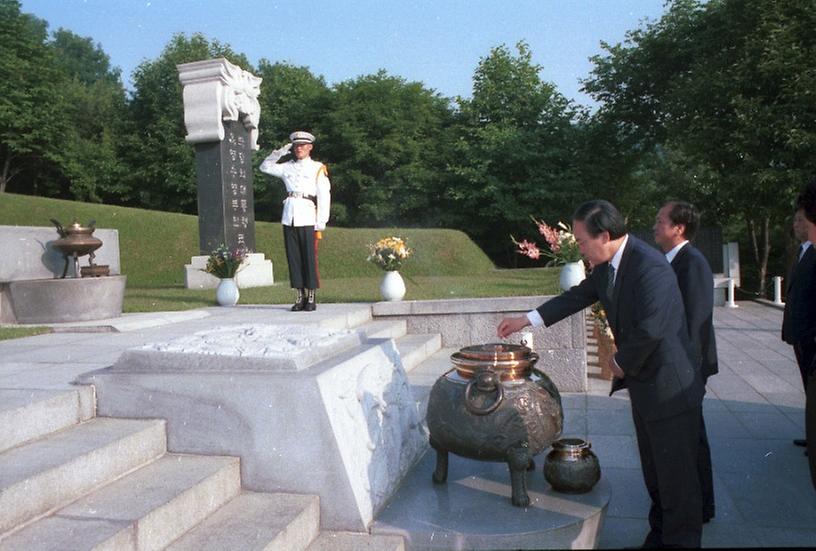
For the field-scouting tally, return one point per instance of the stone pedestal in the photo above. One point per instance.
(308, 410)
(257, 272)
(63, 300)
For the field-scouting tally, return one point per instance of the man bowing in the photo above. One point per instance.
(639, 291)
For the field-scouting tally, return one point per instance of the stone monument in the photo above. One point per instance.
(221, 114)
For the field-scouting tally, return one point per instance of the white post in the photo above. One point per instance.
(777, 289)
(729, 303)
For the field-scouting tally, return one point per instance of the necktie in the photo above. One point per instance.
(610, 280)
(801, 251)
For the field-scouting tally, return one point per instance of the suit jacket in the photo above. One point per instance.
(697, 288)
(648, 321)
(799, 319)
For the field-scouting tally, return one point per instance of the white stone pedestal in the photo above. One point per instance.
(257, 272)
(308, 410)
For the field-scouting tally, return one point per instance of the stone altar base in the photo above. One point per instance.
(257, 272)
(472, 510)
(324, 413)
(66, 300)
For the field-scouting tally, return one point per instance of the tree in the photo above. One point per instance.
(95, 105)
(726, 88)
(382, 136)
(161, 166)
(515, 153)
(32, 122)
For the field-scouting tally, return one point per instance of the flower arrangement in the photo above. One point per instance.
(389, 253)
(601, 320)
(224, 263)
(561, 244)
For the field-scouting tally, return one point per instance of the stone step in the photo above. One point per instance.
(384, 329)
(352, 541)
(256, 521)
(40, 476)
(423, 376)
(144, 510)
(414, 349)
(28, 414)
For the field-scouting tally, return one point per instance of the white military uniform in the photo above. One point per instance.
(303, 179)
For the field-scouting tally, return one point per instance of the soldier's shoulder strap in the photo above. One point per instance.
(324, 170)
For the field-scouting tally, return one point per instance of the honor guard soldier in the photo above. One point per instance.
(305, 212)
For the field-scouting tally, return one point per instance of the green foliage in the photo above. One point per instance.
(381, 137)
(162, 169)
(514, 152)
(32, 120)
(719, 97)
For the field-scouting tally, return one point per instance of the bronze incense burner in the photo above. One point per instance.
(493, 405)
(75, 241)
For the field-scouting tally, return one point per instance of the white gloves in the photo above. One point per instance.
(268, 164)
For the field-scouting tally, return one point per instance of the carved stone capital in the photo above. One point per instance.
(215, 90)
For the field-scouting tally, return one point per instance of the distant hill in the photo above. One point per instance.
(155, 246)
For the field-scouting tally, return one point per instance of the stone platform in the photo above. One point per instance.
(323, 411)
(473, 510)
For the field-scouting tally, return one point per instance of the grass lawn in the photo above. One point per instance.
(495, 283)
(20, 332)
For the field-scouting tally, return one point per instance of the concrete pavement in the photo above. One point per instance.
(753, 409)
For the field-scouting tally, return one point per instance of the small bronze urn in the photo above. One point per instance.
(76, 240)
(493, 405)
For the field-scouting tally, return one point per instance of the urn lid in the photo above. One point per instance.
(512, 361)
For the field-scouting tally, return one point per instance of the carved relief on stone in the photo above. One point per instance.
(216, 90)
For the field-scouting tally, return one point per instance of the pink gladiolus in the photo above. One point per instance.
(529, 249)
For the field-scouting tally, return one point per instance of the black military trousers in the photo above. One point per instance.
(300, 256)
(668, 456)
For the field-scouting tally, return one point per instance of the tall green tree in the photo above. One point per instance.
(32, 120)
(726, 87)
(382, 137)
(95, 105)
(515, 153)
(161, 165)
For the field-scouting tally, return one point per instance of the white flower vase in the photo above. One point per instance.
(392, 287)
(227, 294)
(572, 274)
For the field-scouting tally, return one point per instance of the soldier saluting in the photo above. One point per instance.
(305, 212)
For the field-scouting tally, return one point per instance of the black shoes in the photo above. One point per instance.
(310, 305)
(800, 442)
(305, 301)
(300, 302)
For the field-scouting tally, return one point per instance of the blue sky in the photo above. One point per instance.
(436, 42)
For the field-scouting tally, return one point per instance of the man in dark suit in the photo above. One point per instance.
(675, 225)
(639, 291)
(799, 324)
(799, 319)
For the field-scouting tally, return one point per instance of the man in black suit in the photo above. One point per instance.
(675, 225)
(639, 291)
(799, 319)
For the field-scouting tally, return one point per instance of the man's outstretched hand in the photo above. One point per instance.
(508, 326)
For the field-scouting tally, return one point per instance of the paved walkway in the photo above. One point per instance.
(753, 409)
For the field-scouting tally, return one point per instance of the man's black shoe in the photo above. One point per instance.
(800, 442)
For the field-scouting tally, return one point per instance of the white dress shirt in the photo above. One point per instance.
(535, 318)
(672, 253)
